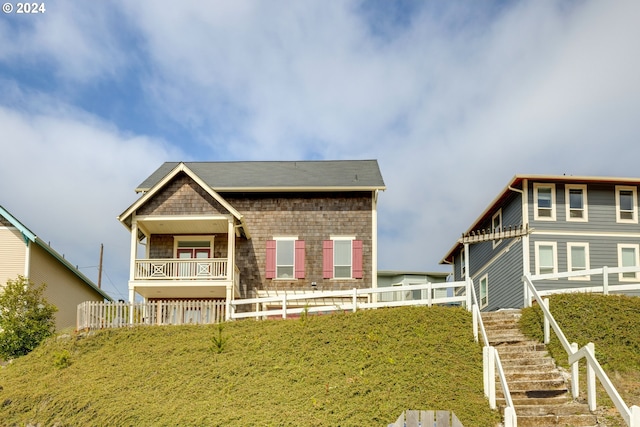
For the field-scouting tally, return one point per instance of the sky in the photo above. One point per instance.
(452, 98)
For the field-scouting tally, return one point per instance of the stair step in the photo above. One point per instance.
(535, 401)
(570, 408)
(534, 376)
(527, 362)
(557, 420)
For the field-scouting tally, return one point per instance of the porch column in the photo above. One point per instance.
(132, 265)
(231, 263)
(231, 250)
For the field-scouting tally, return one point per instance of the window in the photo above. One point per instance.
(576, 202)
(546, 256)
(463, 266)
(285, 258)
(484, 291)
(342, 258)
(496, 225)
(626, 204)
(628, 257)
(544, 202)
(578, 259)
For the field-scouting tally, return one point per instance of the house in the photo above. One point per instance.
(540, 224)
(22, 253)
(391, 278)
(226, 230)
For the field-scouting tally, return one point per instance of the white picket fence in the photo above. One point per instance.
(630, 415)
(414, 418)
(101, 315)
(94, 315)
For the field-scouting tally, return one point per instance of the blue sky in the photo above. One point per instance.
(453, 98)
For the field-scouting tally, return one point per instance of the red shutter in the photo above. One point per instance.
(357, 259)
(299, 259)
(271, 260)
(327, 259)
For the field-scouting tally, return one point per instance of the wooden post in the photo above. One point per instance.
(284, 305)
(491, 374)
(574, 374)
(547, 332)
(605, 280)
(100, 267)
(509, 417)
(355, 299)
(591, 380)
(474, 315)
(634, 419)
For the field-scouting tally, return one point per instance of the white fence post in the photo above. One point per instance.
(574, 374)
(474, 316)
(509, 415)
(634, 419)
(284, 305)
(355, 299)
(591, 380)
(491, 374)
(485, 370)
(547, 332)
(605, 280)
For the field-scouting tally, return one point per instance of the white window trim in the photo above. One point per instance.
(584, 245)
(636, 248)
(177, 239)
(288, 239)
(555, 255)
(342, 238)
(499, 215)
(634, 191)
(535, 202)
(463, 273)
(486, 279)
(585, 204)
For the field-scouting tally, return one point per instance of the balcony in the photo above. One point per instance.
(181, 269)
(163, 278)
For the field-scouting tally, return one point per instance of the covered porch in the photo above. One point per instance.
(185, 257)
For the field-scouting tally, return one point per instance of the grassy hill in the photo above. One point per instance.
(360, 369)
(611, 322)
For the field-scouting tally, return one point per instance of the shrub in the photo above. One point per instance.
(26, 318)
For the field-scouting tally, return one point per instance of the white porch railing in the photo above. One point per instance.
(94, 315)
(631, 416)
(173, 268)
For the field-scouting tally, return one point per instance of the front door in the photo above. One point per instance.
(194, 269)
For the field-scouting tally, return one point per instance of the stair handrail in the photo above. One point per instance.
(631, 416)
(491, 359)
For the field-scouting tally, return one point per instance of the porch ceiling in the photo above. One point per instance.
(183, 290)
(183, 225)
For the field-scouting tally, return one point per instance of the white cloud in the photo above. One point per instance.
(67, 176)
(453, 100)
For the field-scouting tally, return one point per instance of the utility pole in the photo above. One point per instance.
(100, 267)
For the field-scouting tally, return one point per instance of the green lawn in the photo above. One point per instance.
(612, 323)
(360, 369)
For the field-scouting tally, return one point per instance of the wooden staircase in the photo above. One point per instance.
(539, 390)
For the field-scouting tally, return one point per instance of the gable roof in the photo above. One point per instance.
(29, 236)
(516, 183)
(308, 175)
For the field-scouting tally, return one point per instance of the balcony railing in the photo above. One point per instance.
(172, 268)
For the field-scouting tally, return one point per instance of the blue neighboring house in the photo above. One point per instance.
(541, 224)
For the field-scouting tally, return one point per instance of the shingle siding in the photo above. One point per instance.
(312, 217)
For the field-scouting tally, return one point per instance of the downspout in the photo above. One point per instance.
(526, 264)
(374, 243)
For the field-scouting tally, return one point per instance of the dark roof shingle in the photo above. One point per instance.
(362, 174)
